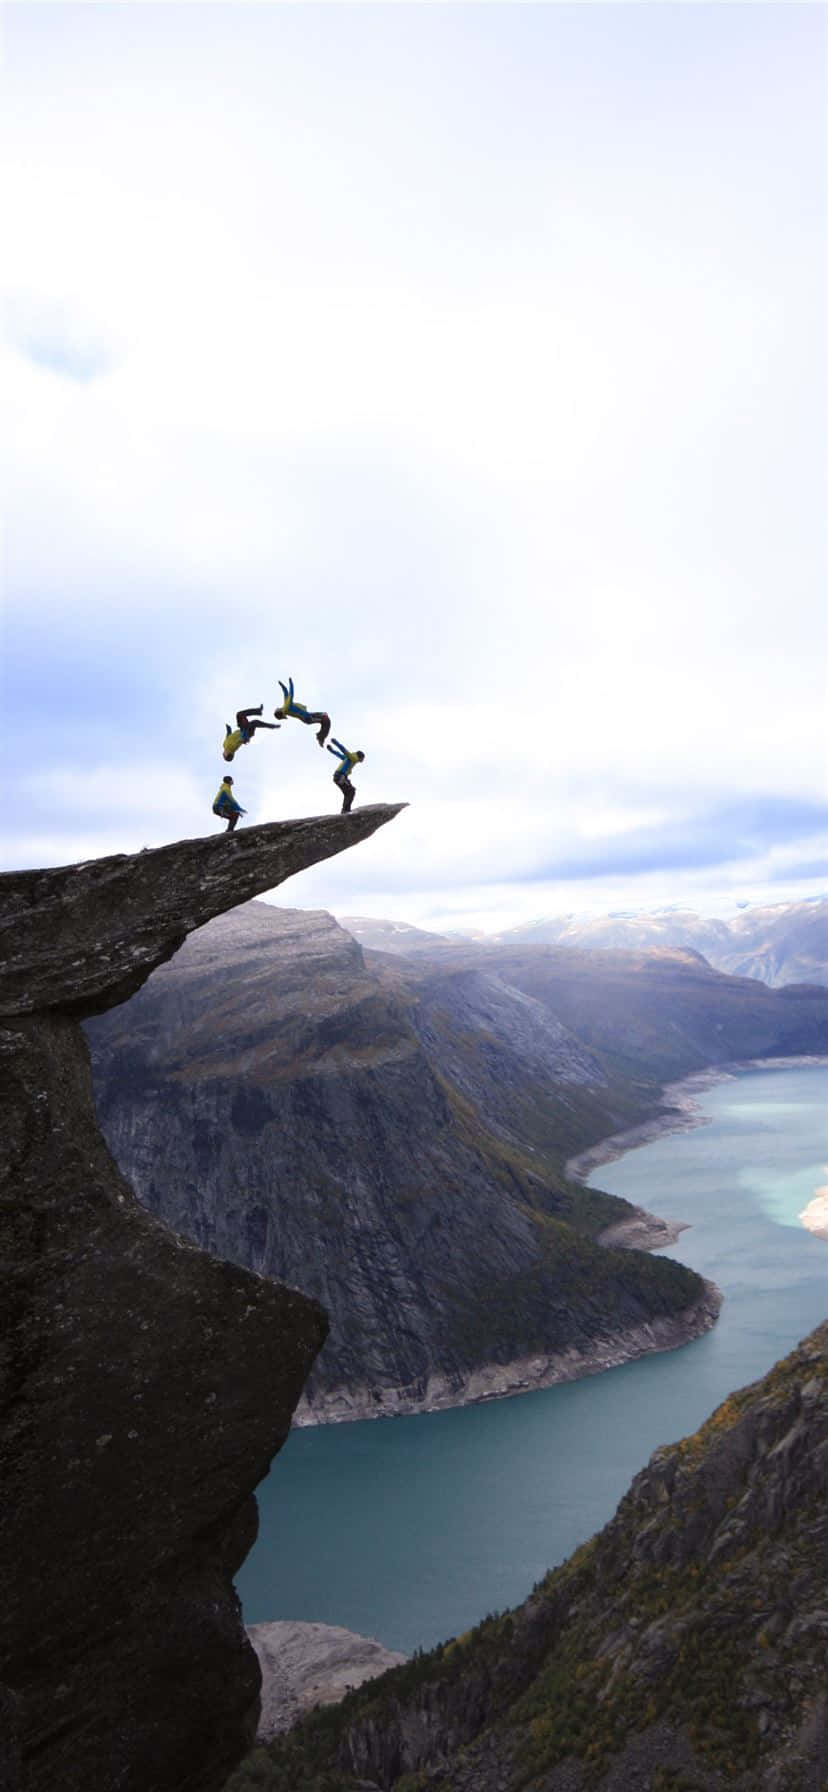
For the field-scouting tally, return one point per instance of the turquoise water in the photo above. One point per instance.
(411, 1530)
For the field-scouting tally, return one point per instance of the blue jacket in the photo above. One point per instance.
(290, 707)
(349, 760)
(225, 803)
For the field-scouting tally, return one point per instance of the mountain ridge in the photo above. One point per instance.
(775, 943)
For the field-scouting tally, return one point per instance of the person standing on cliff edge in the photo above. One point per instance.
(225, 804)
(341, 776)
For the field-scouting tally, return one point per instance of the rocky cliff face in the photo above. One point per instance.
(144, 1387)
(650, 1016)
(389, 1134)
(686, 1646)
(385, 1148)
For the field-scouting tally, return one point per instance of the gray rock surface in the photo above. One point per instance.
(144, 1386)
(305, 1665)
(82, 938)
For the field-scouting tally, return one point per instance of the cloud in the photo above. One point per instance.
(453, 373)
(723, 834)
(800, 870)
(112, 793)
(60, 336)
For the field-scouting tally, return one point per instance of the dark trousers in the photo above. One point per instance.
(316, 715)
(348, 792)
(245, 720)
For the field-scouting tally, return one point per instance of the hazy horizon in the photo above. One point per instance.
(728, 909)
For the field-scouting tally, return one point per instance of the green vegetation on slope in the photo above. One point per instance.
(696, 1618)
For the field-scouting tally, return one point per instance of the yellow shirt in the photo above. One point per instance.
(224, 798)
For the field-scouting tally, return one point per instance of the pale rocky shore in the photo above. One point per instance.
(304, 1665)
(683, 1113)
(644, 1231)
(497, 1381)
(815, 1216)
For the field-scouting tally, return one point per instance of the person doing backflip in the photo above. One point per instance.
(341, 777)
(244, 730)
(291, 708)
(225, 804)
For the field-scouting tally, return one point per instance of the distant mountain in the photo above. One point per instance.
(389, 1134)
(785, 943)
(684, 1646)
(393, 936)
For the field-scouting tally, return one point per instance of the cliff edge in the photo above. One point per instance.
(144, 1386)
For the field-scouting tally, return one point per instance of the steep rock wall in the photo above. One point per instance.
(282, 1105)
(144, 1387)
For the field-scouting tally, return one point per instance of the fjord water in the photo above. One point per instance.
(411, 1530)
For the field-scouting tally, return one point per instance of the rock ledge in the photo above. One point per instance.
(144, 1386)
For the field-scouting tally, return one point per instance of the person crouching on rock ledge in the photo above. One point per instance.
(244, 730)
(225, 804)
(341, 776)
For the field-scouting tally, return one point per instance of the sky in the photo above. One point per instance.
(466, 362)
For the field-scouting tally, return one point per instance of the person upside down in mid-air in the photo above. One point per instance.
(291, 708)
(244, 730)
(342, 775)
(225, 804)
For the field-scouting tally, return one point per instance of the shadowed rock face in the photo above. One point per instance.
(144, 1387)
(291, 1109)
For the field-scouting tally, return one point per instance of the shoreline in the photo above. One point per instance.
(683, 1116)
(524, 1375)
(641, 1230)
